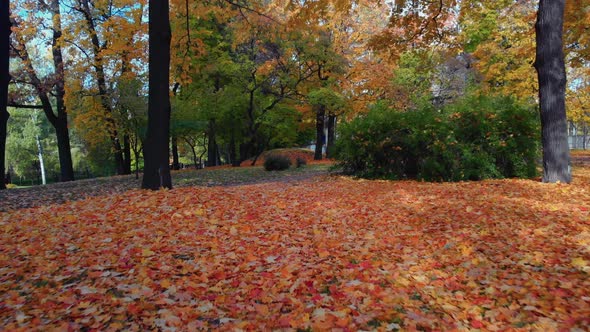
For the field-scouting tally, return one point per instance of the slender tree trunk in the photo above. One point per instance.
(331, 135)
(127, 153)
(195, 158)
(552, 79)
(102, 84)
(319, 141)
(235, 161)
(156, 151)
(585, 136)
(4, 80)
(211, 145)
(175, 161)
(41, 161)
(136, 154)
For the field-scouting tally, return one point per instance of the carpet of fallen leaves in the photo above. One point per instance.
(322, 253)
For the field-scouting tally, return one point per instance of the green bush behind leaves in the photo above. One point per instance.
(478, 137)
(276, 162)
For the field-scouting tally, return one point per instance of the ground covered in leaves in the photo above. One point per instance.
(315, 253)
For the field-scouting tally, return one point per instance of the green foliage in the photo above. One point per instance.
(275, 162)
(22, 153)
(329, 98)
(475, 138)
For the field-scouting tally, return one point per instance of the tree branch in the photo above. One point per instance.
(36, 107)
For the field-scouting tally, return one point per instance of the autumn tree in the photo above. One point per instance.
(50, 89)
(107, 40)
(424, 23)
(156, 151)
(4, 79)
(501, 38)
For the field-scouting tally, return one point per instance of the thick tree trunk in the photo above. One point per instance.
(61, 124)
(331, 135)
(156, 151)
(552, 79)
(4, 79)
(64, 151)
(319, 123)
(175, 161)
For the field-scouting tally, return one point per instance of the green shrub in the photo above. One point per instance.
(300, 162)
(473, 139)
(275, 162)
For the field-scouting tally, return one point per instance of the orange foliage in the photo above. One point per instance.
(326, 253)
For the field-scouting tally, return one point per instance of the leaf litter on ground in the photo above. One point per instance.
(319, 253)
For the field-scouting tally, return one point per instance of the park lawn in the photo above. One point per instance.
(317, 253)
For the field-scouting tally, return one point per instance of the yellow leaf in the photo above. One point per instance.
(147, 253)
(580, 263)
(165, 283)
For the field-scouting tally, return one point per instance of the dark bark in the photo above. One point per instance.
(331, 135)
(5, 78)
(156, 151)
(552, 80)
(319, 125)
(61, 123)
(175, 161)
(233, 158)
(211, 145)
(127, 153)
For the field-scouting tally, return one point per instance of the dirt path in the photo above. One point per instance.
(57, 193)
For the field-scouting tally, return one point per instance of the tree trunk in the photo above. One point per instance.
(41, 162)
(319, 141)
(211, 145)
(127, 153)
(64, 151)
(61, 124)
(4, 80)
(331, 135)
(235, 161)
(552, 79)
(156, 151)
(585, 136)
(175, 161)
(102, 84)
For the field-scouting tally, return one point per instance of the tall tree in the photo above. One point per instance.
(110, 27)
(4, 79)
(421, 23)
(156, 151)
(52, 87)
(550, 67)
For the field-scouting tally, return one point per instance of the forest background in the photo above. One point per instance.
(252, 76)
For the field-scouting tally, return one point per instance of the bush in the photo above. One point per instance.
(300, 162)
(473, 139)
(276, 162)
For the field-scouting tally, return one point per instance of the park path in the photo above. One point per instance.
(57, 193)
